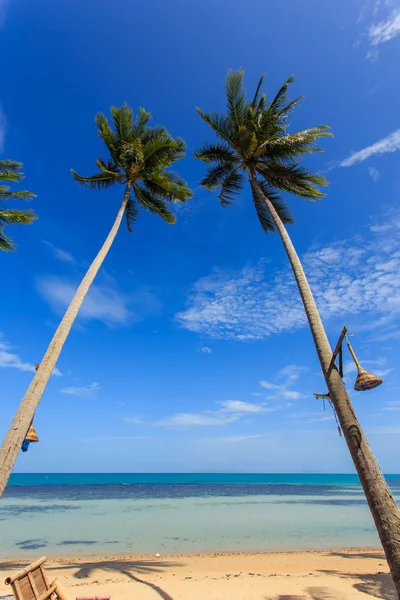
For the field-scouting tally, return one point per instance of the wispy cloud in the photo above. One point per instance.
(231, 411)
(239, 407)
(238, 439)
(390, 143)
(206, 350)
(2, 118)
(392, 406)
(103, 302)
(197, 420)
(349, 278)
(381, 228)
(62, 255)
(374, 173)
(385, 30)
(11, 360)
(133, 420)
(373, 365)
(88, 390)
(290, 374)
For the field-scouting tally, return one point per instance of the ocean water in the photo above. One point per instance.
(106, 514)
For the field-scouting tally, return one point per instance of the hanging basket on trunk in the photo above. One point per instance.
(31, 435)
(365, 380)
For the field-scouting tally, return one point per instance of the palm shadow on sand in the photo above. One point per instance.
(130, 568)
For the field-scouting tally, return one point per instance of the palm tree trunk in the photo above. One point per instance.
(24, 415)
(381, 502)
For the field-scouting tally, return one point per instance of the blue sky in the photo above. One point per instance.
(192, 352)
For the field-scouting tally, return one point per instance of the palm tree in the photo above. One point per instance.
(140, 157)
(254, 143)
(10, 171)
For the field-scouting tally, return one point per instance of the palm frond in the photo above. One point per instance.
(284, 112)
(10, 171)
(131, 213)
(17, 217)
(6, 243)
(122, 118)
(278, 203)
(235, 97)
(162, 150)
(109, 167)
(131, 154)
(254, 102)
(231, 185)
(211, 152)
(293, 178)
(97, 181)
(6, 194)
(281, 96)
(218, 123)
(106, 134)
(168, 185)
(153, 204)
(264, 216)
(139, 126)
(216, 174)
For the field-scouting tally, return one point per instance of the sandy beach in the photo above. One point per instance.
(327, 575)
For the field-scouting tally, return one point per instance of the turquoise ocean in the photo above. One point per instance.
(108, 514)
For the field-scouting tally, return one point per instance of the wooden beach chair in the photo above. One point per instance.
(32, 584)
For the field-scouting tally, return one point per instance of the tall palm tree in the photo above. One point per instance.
(140, 157)
(254, 144)
(10, 171)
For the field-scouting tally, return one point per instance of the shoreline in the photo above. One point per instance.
(124, 556)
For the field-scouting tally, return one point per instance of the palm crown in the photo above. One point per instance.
(255, 140)
(139, 157)
(10, 171)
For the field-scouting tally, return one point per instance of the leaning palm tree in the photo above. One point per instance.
(254, 144)
(10, 171)
(140, 157)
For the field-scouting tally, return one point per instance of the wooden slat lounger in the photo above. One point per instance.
(32, 584)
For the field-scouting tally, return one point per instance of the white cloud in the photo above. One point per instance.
(381, 228)
(385, 30)
(374, 173)
(239, 407)
(2, 118)
(88, 390)
(206, 350)
(238, 439)
(390, 143)
(392, 406)
(352, 279)
(372, 55)
(133, 420)
(350, 366)
(197, 420)
(383, 430)
(290, 374)
(59, 253)
(103, 302)
(10, 360)
(230, 412)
